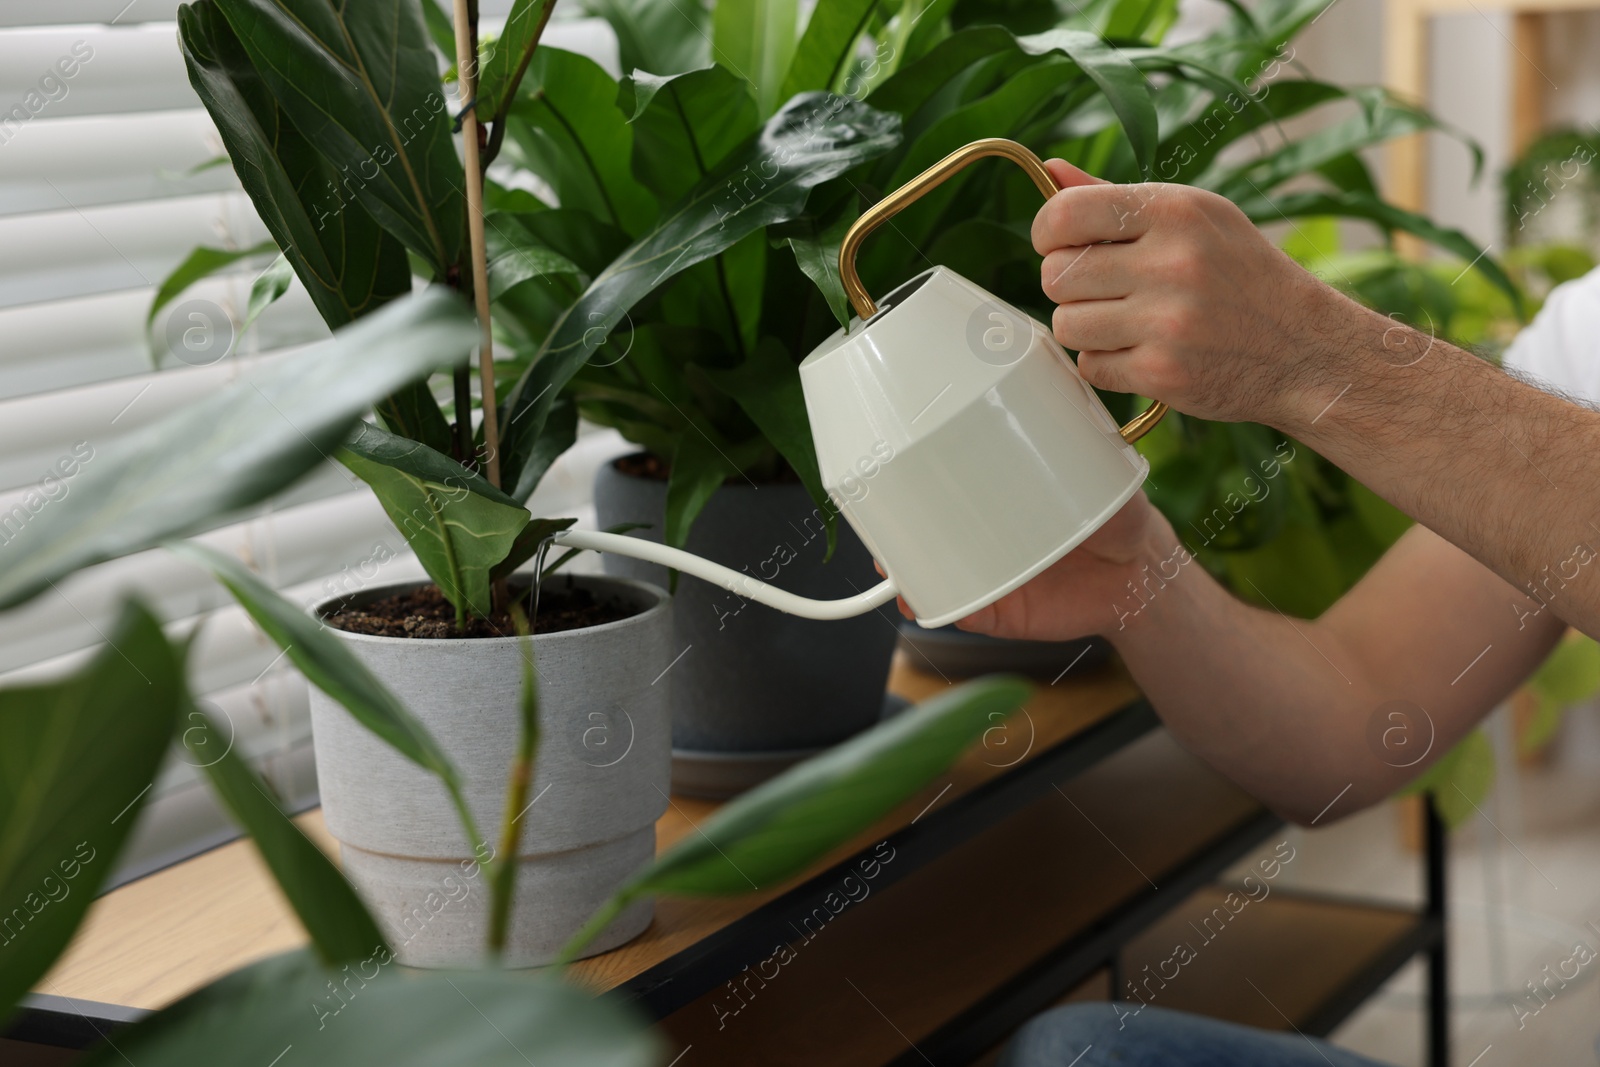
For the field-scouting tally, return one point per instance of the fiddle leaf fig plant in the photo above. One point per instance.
(358, 202)
(85, 750)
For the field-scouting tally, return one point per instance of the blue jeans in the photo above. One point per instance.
(1107, 1035)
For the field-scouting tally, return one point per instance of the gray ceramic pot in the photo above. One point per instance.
(600, 779)
(753, 679)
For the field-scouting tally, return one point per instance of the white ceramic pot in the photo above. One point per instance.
(600, 779)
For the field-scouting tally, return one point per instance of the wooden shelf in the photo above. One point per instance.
(1082, 835)
(1405, 64)
(875, 981)
(1289, 961)
(155, 939)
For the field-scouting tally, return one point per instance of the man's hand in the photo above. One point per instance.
(1079, 594)
(1169, 291)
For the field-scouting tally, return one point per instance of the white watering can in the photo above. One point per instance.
(953, 433)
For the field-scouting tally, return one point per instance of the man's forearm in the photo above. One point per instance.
(1349, 706)
(1192, 305)
(1508, 473)
(1277, 711)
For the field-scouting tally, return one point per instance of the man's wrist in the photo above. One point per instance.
(1341, 345)
(1156, 585)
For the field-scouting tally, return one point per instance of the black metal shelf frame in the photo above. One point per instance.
(987, 1023)
(710, 962)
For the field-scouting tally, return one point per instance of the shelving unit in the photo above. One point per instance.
(1405, 67)
(1038, 869)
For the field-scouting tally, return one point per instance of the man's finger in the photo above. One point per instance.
(1093, 272)
(1095, 326)
(1067, 176)
(1113, 371)
(1089, 214)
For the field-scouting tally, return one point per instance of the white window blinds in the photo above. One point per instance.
(104, 189)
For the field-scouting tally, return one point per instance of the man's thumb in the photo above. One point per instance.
(1067, 176)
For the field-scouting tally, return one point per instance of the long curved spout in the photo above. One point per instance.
(728, 578)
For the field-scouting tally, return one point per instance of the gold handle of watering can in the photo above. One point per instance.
(914, 190)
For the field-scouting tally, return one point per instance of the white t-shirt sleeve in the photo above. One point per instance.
(1561, 347)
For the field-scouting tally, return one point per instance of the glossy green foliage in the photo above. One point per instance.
(458, 524)
(342, 930)
(360, 83)
(77, 762)
(765, 180)
(779, 828)
(234, 448)
(371, 1013)
(348, 263)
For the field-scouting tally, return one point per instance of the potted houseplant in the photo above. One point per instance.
(711, 393)
(87, 747)
(357, 206)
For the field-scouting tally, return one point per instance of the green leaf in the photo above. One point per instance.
(1380, 119)
(496, 84)
(1460, 780)
(360, 82)
(527, 544)
(347, 263)
(1571, 675)
(1131, 19)
(413, 412)
(685, 125)
(1190, 150)
(580, 236)
(656, 37)
(341, 928)
(817, 253)
(566, 128)
(813, 139)
(1390, 217)
(375, 1014)
(826, 48)
(201, 263)
(234, 448)
(441, 27)
(558, 433)
(767, 387)
(78, 760)
(698, 470)
(269, 285)
(756, 40)
(1125, 88)
(1008, 111)
(781, 827)
(1280, 20)
(516, 256)
(913, 86)
(458, 524)
(326, 661)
